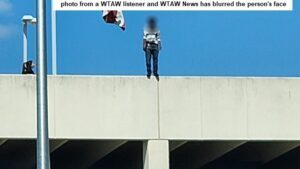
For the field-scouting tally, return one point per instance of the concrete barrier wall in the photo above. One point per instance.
(178, 108)
(230, 108)
(17, 106)
(273, 108)
(106, 107)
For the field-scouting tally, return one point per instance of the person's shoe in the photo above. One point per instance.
(157, 77)
(148, 76)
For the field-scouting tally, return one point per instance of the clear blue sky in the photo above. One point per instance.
(194, 43)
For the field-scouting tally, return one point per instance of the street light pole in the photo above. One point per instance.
(24, 42)
(53, 33)
(27, 19)
(43, 156)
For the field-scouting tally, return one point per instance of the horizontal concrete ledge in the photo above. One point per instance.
(144, 76)
(135, 108)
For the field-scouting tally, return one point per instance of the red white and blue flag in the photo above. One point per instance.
(114, 17)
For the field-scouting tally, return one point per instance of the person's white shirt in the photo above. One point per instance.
(152, 36)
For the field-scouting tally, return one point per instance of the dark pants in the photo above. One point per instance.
(152, 52)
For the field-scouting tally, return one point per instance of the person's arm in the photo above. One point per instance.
(144, 44)
(144, 41)
(159, 41)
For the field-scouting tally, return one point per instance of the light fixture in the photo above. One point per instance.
(26, 19)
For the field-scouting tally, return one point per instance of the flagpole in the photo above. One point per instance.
(43, 157)
(53, 38)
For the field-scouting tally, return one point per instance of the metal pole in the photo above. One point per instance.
(43, 157)
(24, 42)
(53, 33)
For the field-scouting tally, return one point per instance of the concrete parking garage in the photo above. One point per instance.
(131, 122)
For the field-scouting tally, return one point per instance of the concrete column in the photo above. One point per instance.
(156, 154)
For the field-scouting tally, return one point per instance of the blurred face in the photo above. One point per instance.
(152, 23)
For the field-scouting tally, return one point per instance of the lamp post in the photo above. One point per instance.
(27, 19)
(53, 38)
(43, 156)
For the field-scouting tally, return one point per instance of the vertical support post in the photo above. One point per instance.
(53, 33)
(43, 157)
(25, 42)
(156, 154)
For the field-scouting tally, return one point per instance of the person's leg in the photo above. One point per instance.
(148, 61)
(155, 62)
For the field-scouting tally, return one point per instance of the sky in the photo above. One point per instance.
(193, 43)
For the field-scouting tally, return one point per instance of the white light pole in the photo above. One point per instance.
(53, 33)
(25, 20)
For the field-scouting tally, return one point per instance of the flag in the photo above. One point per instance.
(115, 17)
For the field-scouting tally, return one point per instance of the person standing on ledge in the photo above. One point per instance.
(152, 46)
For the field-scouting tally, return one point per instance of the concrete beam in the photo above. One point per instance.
(128, 156)
(271, 151)
(82, 154)
(194, 155)
(252, 155)
(2, 141)
(56, 144)
(290, 160)
(176, 144)
(16, 154)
